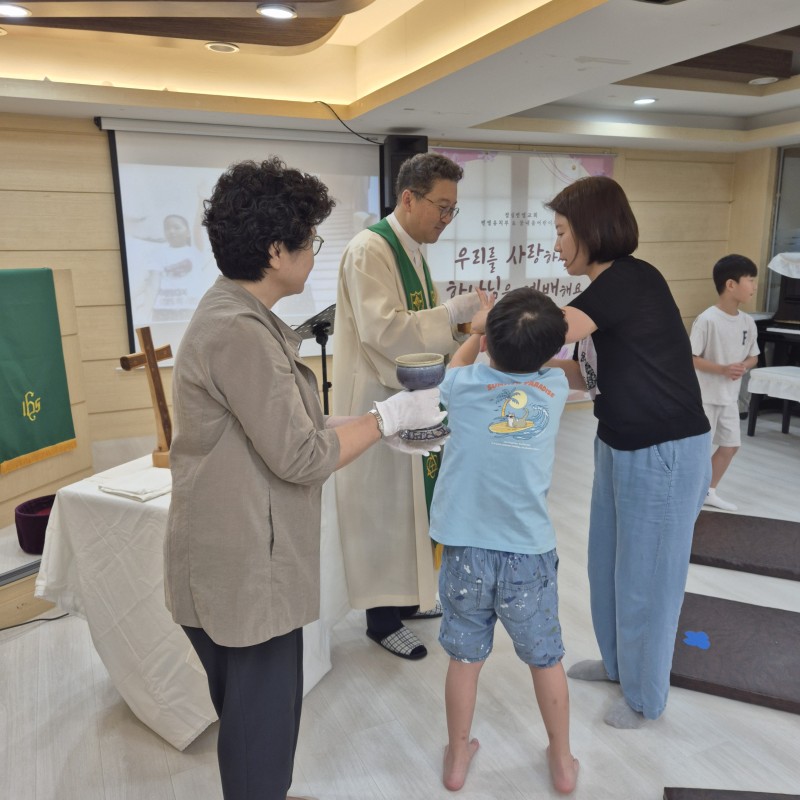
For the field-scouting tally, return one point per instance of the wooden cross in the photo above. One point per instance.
(149, 358)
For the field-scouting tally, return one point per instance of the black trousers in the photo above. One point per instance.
(388, 619)
(257, 692)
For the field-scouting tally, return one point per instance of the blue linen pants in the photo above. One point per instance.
(644, 507)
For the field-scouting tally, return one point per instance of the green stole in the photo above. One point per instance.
(415, 299)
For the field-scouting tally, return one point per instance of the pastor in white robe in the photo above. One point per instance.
(383, 519)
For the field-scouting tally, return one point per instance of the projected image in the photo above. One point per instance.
(168, 257)
(164, 179)
(169, 276)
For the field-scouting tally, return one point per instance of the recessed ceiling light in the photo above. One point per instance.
(274, 11)
(644, 101)
(222, 47)
(762, 81)
(11, 10)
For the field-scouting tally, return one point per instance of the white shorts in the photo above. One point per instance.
(726, 427)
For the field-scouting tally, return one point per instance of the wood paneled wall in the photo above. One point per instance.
(694, 208)
(57, 210)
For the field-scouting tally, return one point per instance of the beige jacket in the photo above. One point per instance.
(249, 458)
(383, 521)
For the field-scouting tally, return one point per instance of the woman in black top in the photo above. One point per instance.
(651, 450)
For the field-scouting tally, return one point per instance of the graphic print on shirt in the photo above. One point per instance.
(518, 418)
(587, 362)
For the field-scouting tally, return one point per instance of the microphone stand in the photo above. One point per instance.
(320, 327)
(320, 331)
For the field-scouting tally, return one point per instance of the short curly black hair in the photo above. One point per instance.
(257, 205)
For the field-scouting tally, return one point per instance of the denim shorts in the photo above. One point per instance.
(477, 587)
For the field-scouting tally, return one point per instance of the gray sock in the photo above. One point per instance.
(588, 671)
(621, 715)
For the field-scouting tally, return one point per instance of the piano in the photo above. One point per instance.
(783, 329)
(782, 332)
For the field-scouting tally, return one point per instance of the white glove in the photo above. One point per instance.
(410, 410)
(414, 448)
(462, 307)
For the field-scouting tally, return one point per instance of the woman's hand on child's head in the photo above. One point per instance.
(486, 298)
(478, 324)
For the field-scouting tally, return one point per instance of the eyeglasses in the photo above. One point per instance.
(316, 244)
(444, 211)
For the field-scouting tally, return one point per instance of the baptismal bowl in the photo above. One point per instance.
(420, 370)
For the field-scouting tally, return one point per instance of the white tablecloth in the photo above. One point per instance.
(787, 264)
(103, 560)
(780, 382)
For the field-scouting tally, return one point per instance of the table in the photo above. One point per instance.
(780, 382)
(103, 560)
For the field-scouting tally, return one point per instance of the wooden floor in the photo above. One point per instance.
(373, 728)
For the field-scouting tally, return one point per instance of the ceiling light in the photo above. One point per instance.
(762, 81)
(644, 101)
(222, 47)
(273, 11)
(10, 10)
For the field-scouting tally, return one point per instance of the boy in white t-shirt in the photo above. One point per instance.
(724, 348)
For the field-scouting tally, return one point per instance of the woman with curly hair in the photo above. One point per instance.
(250, 454)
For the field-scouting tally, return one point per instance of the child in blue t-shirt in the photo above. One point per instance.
(489, 510)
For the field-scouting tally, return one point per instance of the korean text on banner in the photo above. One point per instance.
(35, 413)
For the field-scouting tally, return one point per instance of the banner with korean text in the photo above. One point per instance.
(503, 236)
(35, 414)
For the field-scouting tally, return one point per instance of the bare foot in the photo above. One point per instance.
(456, 766)
(563, 772)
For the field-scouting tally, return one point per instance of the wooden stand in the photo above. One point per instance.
(149, 358)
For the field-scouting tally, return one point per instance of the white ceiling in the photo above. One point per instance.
(569, 74)
(559, 87)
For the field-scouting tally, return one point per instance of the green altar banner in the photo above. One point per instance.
(35, 414)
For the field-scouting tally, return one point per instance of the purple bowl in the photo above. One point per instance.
(31, 519)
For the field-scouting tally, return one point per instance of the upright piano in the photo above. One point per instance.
(782, 332)
(783, 329)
